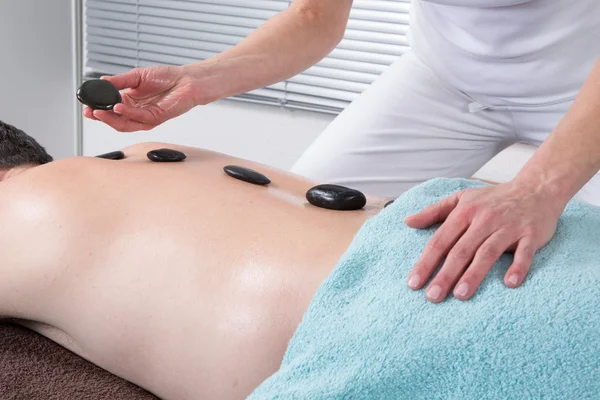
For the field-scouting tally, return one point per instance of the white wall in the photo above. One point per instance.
(266, 134)
(37, 71)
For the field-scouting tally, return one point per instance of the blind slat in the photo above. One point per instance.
(123, 34)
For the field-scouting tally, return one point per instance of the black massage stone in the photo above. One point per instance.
(113, 155)
(335, 197)
(99, 94)
(246, 175)
(388, 203)
(166, 155)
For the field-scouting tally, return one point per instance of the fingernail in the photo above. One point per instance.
(513, 279)
(434, 292)
(462, 289)
(414, 281)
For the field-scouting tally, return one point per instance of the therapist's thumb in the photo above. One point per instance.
(128, 80)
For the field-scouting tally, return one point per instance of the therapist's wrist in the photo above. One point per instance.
(206, 82)
(550, 187)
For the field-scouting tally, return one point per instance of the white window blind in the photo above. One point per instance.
(123, 34)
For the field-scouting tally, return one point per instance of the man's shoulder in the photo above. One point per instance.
(52, 174)
(45, 183)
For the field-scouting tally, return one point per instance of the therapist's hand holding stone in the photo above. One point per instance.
(151, 96)
(154, 95)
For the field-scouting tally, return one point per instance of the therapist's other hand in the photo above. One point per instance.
(151, 96)
(478, 226)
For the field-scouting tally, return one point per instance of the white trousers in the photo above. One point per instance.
(409, 126)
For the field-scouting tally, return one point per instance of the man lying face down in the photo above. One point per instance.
(191, 284)
(173, 276)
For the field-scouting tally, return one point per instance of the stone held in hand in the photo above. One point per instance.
(388, 203)
(336, 197)
(99, 94)
(113, 155)
(246, 175)
(166, 155)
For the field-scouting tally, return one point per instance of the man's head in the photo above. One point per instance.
(18, 149)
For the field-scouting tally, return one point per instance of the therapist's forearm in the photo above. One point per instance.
(284, 46)
(570, 156)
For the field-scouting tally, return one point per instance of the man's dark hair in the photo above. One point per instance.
(18, 148)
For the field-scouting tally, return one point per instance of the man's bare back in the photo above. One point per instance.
(173, 276)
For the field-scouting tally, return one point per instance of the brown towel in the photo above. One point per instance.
(33, 367)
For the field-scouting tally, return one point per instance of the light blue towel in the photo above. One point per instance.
(367, 336)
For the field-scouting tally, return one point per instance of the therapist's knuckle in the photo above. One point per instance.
(490, 252)
(487, 218)
(138, 71)
(466, 213)
(529, 250)
(436, 244)
(467, 209)
(460, 217)
(474, 276)
(461, 254)
(529, 231)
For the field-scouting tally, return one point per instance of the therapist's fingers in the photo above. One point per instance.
(486, 256)
(119, 123)
(128, 80)
(436, 249)
(522, 261)
(459, 258)
(146, 115)
(88, 113)
(434, 213)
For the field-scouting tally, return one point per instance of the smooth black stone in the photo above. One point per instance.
(388, 203)
(166, 155)
(246, 175)
(335, 197)
(113, 155)
(99, 94)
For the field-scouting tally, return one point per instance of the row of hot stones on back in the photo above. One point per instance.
(331, 197)
(100, 94)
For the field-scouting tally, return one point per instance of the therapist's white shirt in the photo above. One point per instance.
(504, 52)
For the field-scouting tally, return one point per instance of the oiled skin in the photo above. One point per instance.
(176, 277)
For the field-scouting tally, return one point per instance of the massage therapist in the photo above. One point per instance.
(481, 75)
